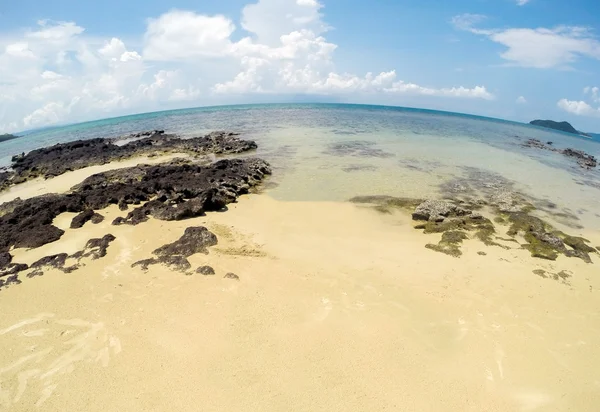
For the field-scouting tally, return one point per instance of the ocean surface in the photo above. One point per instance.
(332, 152)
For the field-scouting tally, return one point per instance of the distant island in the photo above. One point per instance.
(7, 136)
(562, 126)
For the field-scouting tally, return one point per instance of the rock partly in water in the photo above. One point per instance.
(385, 204)
(205, 270)
(584, 160)
(63, 157)
(545, 242)
(438, 211)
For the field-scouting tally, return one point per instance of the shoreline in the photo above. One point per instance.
(312, 305)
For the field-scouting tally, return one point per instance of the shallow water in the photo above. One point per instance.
(334, 152)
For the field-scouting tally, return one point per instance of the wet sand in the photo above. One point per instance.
(337, 308)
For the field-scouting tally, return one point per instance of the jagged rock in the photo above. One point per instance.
(194, 240)
(205, 270)
(11, 280)
(84, 217)
(185, 191)
(5, 259)
(438, 210)
(55, 261)
(96, 248)
(13, 269)
(584, 160)
(60, 158)
(178, 263)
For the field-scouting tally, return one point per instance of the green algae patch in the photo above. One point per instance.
(545, 242)
(577, 243)
(450, 243)
(387, 204)
(563, 276)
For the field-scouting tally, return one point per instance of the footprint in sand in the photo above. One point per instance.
(324, 311)
(44, 354)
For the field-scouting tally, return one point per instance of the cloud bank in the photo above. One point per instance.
(56, 72)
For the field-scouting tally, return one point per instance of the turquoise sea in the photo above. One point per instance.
(332, 152)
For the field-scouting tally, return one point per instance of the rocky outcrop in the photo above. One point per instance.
(84, 217)
(194, 240)
(584, 160)
(94, 249)
(63, 157)
(438, 210)
(173, 192)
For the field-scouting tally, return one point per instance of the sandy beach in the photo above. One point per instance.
(337, 307)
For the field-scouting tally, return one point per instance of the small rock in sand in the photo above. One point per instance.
(205, 270)
(232, 276)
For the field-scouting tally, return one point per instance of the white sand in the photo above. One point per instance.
(338, 308)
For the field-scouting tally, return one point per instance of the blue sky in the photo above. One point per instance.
(66, 61)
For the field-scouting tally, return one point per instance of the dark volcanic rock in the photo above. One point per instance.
(11, 280)
(63, 157)
(178, 263)
(5, 179)
(5, 259)
(96, 248)
(194, 240)
(583, 159)
(13, 269)
(85, 216)
(205, 270)
(174, 191)
(55, 261)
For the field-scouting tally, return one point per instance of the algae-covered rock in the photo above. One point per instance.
(450, 243)
(438, 210)
(385, 204)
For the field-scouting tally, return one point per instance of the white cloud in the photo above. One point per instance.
(522, 2)
(181, 35)
(593, 92)
(521, 100)
(268, 20)
(58, 73)
(541, 48)
(579, 108)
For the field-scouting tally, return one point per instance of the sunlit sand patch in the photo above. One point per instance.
(55, 350)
